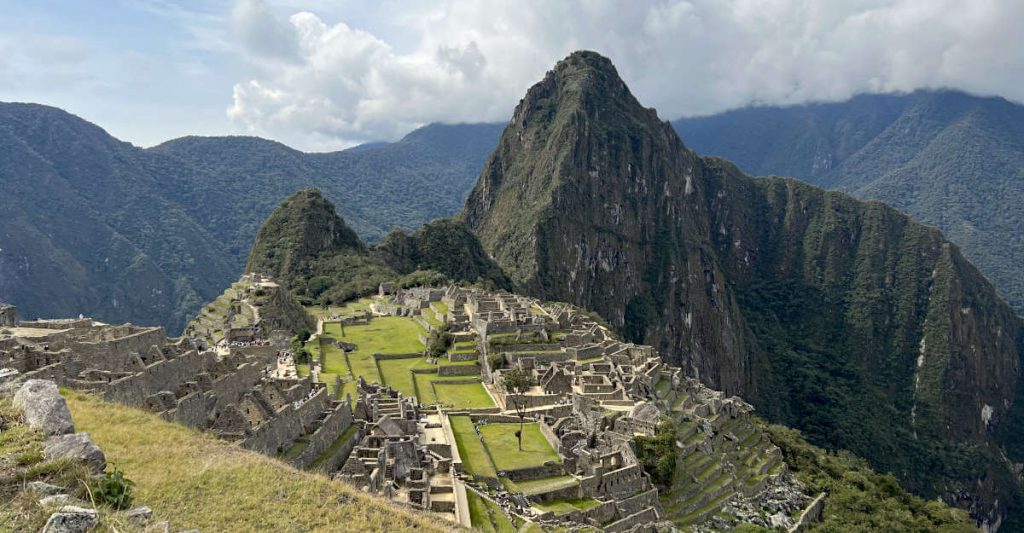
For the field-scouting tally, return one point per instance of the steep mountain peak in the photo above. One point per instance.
(303, 227)
(867, 330)
(584, 83)
(578, 133)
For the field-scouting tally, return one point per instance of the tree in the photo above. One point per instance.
(439, 342)
(516, 383)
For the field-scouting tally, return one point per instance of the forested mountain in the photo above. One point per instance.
(844, 318)
(309, 248)
(946, 158)
(97, 226)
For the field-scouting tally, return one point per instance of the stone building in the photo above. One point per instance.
(8, 315)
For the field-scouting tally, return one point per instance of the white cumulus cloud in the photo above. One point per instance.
(323, 85)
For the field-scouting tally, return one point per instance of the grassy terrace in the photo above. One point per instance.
(462, 395)
(196, 481)
(385, 335)
(475, 458)
(502, 442)
(487, 516)
(567, 506)
(441, 307)
(425, 392)
(542, 485)
(430, 317)
(464, 347)
(357, 307)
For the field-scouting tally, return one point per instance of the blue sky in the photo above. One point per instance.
(322, 75)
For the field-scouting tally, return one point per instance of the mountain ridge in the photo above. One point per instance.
(820, 309)
(179, 218)
(944, 157)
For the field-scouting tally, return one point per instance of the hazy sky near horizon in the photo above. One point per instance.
(323, 75)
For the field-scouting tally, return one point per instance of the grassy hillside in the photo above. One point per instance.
(197, 481)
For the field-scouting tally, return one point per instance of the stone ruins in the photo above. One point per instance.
(447, 441)
(8, 315)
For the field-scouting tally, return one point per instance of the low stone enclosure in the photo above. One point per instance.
(589, 396)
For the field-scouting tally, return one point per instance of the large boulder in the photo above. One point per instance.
(71, 519)
(77, 446)
(43, 407)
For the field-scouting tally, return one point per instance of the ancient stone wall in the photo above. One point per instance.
(458, 370)
(276, 434)
(338, 420)
(163, 375)
(114, 354)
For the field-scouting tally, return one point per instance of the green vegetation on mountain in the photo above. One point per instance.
(843, 318)
(946, 158)
(97, 226)
(445, 246)
(859, 499)
(305, 245)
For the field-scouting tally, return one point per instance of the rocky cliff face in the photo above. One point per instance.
(846, 319)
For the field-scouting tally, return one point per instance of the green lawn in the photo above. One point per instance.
(502, 442)
(295, 449)
(487, 516)
(386, 335)
(567, 506)
(441, 308)
(398, 373)
(426, 392)
(431, 319)
(353, 308)
(462, 395)
(663, 386)
(334, 358)
(463, 347)
(542, 485)
(475, 459)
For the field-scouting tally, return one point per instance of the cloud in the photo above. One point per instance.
(323, 85)
(44, 62)
(261, 32)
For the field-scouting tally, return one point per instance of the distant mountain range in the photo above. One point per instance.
(946, 158)
(90, 224)
(176, 221)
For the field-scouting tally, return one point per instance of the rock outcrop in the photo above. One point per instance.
(71, 519)
(43, 407)
(77, 446)
(843, 318)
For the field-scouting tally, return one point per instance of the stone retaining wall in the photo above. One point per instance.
(458, 370)
(339, 419)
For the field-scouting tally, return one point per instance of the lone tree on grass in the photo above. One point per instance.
(516, 382)
(439, 342)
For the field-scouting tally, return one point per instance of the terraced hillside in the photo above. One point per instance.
(722, 455)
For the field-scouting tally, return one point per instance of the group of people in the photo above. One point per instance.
(298, 403)
(243, 344)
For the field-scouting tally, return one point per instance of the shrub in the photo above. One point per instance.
(114, 490)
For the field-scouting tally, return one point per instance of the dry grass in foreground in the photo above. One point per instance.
(197, 481)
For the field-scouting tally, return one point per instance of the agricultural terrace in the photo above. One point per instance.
(391, 335)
